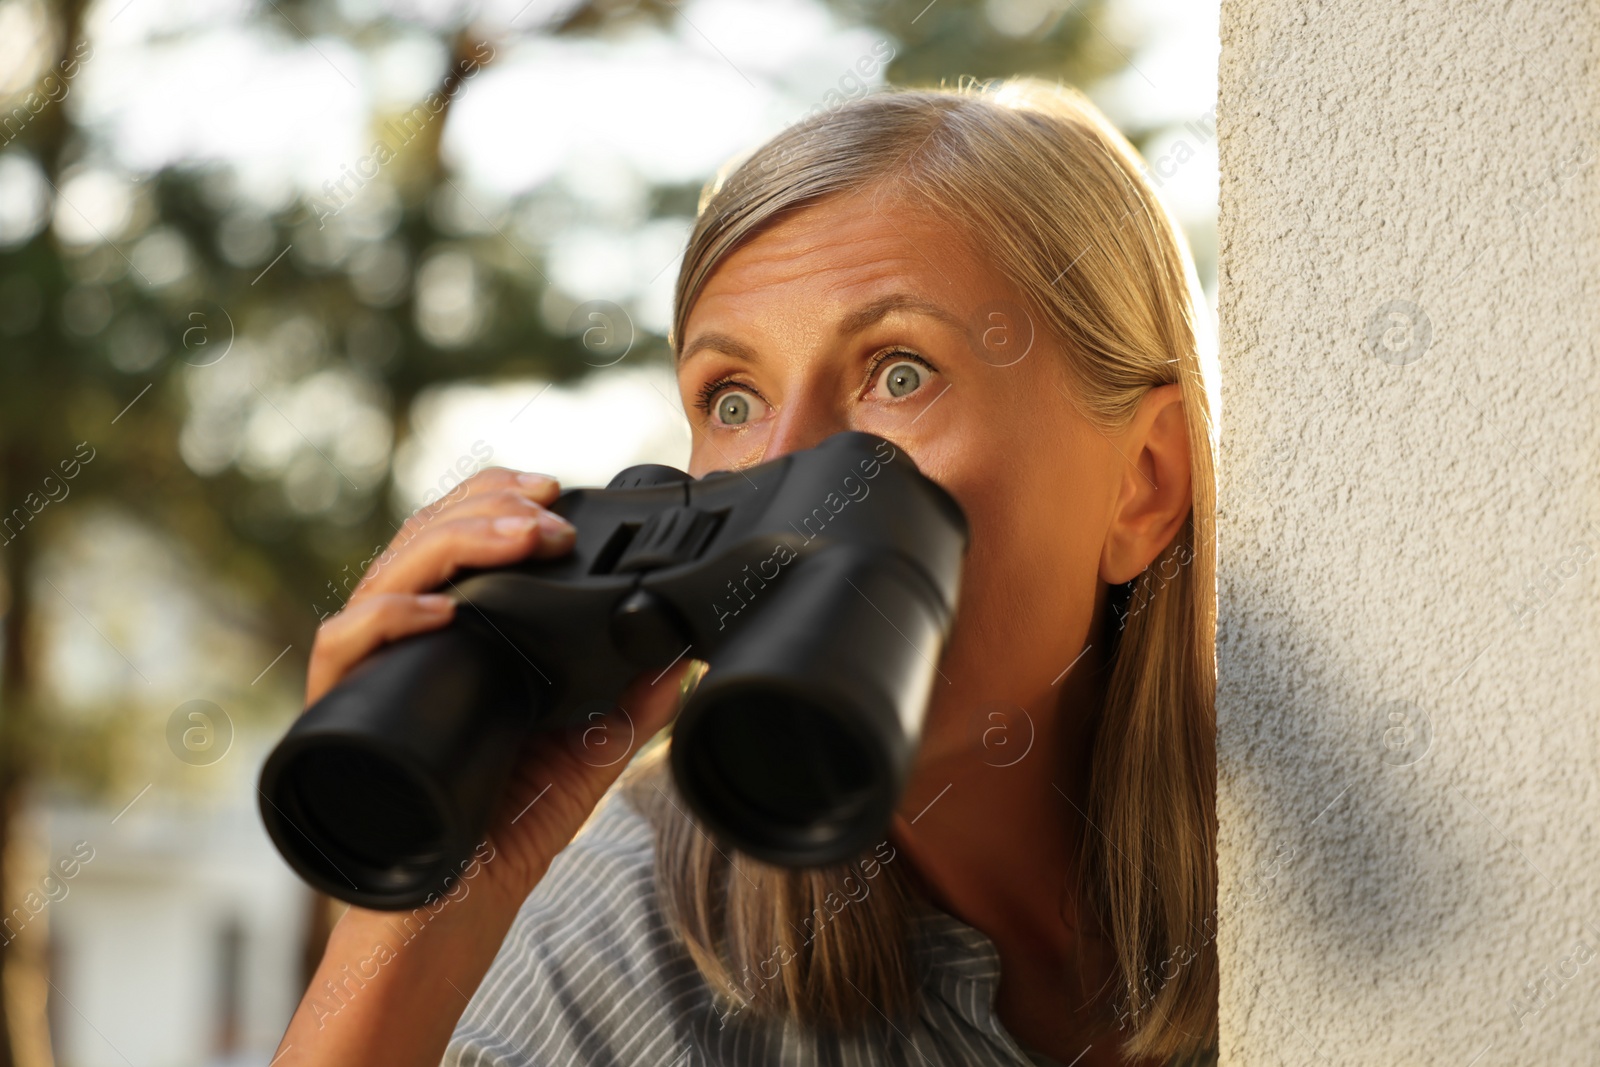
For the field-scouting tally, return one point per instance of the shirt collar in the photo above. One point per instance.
(961, 967)
(948, 947)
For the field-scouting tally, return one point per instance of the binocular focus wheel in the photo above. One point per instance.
(644, 475)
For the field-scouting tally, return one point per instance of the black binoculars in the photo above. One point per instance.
(819, 587)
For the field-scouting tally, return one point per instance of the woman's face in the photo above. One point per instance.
(861, 314)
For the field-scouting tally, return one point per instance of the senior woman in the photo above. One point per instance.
(982, 277)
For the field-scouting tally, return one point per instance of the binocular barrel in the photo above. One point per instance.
(797, 746)
(381, 789)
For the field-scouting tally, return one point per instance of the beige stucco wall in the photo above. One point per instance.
(1409, 656)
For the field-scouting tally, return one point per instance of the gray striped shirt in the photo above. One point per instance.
(591, 974)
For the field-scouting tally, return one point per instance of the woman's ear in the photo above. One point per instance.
(1155, 492)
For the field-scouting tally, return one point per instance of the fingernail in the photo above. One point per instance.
(555, 527)
(434, 602)
(536, 481)
(514, 525)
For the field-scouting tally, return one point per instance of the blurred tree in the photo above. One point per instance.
(98, 354)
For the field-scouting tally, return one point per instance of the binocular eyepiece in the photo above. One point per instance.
(820, 588)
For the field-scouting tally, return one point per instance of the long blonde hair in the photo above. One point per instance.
(1055, 197)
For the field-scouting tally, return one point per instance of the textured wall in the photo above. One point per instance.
(1409, 652)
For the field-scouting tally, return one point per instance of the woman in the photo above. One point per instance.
(982, 277)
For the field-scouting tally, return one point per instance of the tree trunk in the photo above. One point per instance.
(24, 1031)
(24, 1035)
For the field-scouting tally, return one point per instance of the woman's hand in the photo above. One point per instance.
(495, 517)
(407, 1011)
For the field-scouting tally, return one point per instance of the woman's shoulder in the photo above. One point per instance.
(589, 971)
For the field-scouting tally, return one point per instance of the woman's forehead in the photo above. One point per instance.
(845, 251)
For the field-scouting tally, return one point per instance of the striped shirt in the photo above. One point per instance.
(591, 974)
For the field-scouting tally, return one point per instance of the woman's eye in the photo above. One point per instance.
(902, 378)
(735, 408)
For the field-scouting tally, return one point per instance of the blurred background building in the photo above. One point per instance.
(271, 276)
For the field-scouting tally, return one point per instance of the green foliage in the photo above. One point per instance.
(93, 352)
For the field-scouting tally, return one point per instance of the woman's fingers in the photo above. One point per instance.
(348, 637)
(487, 502)
(493, 518)
(518, 489)
(449, 544)
(540, 488)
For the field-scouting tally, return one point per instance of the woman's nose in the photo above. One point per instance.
(810, 417)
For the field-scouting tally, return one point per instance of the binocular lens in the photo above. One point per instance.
(363, 817)
(784, 772)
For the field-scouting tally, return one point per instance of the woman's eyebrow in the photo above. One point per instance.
(853, 323)
(863, 317)
(719, 342)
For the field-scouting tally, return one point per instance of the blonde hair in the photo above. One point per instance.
(1054, 197)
